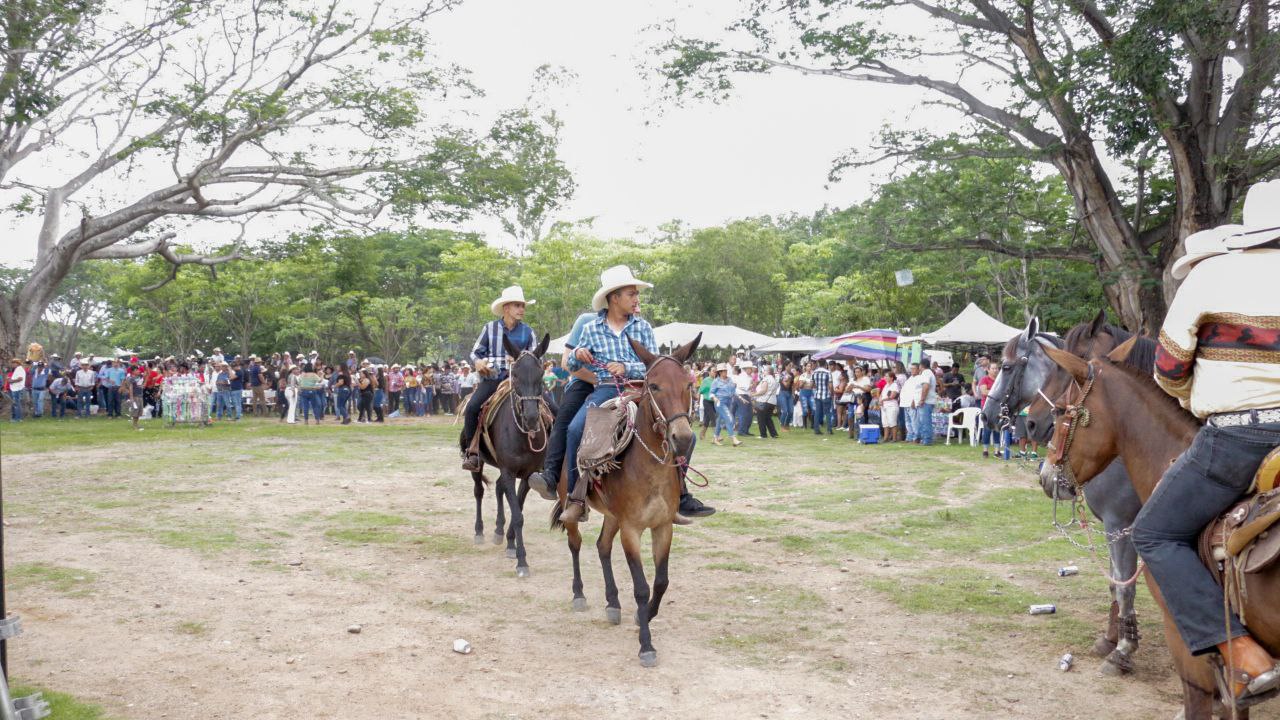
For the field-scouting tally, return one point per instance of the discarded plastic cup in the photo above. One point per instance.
(462, 647)
(1068, 570)
(1046, 609)
(1065, 662)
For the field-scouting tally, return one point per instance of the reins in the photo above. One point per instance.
(515, 415)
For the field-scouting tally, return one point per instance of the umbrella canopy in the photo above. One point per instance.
(865, 345)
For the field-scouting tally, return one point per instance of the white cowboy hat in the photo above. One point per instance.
(722, 367)
(1202, 245)
(618, 276)
(512, 294)
(1261, 217)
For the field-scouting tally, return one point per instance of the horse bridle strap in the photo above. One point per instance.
(1077, 416)
(518, 398)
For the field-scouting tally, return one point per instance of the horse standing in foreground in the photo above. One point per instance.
(517, 442)
(1025, 369)
(1100, 398)
(643, 493)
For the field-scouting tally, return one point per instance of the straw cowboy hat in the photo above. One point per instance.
(1202, 245)
(618, 276)
(722, 367)
(1261, 217)
(509, 295)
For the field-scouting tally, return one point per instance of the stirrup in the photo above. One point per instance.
(572, 503)
(1257, 690)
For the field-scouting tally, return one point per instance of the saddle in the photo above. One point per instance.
(608, 432)
(1242, 540)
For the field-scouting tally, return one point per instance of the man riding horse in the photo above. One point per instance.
(490, 360)
(1219, 355)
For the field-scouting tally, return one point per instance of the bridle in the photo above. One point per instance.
(517, 404)
(662, 422)
(1075, 416)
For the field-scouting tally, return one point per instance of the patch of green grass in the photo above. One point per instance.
(360, 527)
(841, 545)
(60, 579)
(195, 628)
(956, 591)
(443, 545)
(61, 705)
(741, 523)
(201, 539)
(737, 567)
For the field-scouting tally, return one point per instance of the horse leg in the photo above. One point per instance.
(1196, 703)
(501, 523)
(575, 546)
(516, 545)
(640, 588)
(604, 546)
(661, 537)
(1124, 564)
(511, 531)
(478, 478)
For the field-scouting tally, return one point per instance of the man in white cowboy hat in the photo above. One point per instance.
(490, 358)
(1219, 355)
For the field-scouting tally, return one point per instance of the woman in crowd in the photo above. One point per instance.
(366, 386)
(291, 392)
(394, 386)
(889, 407)
(723, 391)
(708, 402)
(861, 397)
(765, 398)
(804, 391)
(842, 392)
(379, 394)
(410, 390)
(341, 385)
(311, 389)
(987, 433)
(786, 398)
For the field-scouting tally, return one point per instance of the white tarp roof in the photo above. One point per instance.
(805, 344)
(974, 326)
(678, 333)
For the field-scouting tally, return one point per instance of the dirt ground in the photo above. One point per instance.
(218, 577)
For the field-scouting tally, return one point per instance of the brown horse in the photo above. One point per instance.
(643, 493)
(1116, 396)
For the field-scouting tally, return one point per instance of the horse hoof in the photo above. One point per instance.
(580, 604)
(511, 553)
(1102, 647)
(649, 658)
(1116, 665)
(522, 572)
(498, 539)
(613, 615)
(479, 540)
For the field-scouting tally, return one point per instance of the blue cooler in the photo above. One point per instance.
(869, 434)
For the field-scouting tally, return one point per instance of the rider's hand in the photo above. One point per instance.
(584, 355)
(617, 368)
(482, 367)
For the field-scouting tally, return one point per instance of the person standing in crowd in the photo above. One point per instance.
(257, 386)
(222, 387)
(466, 381)
(342, 393)
(395, 387)
(379, 394)
(16, 383)
(289, 385)
(841, 394)
(39, 388)
(135, 383)
(743, 381)
(311, 390)
(926, 401)
(765, 398)
(804, 391)
(111, 376)
(889, 407)
(59, 390)
(722, 392)
(366, 386)
(235, 390)
(429, 384)
(411, 390)
(952, 387)
(85, 380)
(708, 402)
(490, 357)
(909, 400)
(986, 434)
(449, 386)
(786, 396)
(822, 410)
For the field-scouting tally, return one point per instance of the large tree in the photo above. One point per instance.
(1158, 114)
(128, 128)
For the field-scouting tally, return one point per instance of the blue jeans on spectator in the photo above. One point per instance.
(823, 412)
(724, 421)
(573, 436)
(37, 401)
(312, 402)
(58, 406)
(910, 414)
(341, 402)
(785, 413)
(742, 410)
(112, 396)
(16, 411)
(424, 407)
(102, 398)
(924, 423)
(84, 398)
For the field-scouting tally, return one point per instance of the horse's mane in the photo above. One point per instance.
(1148, 383)
(1143, 355)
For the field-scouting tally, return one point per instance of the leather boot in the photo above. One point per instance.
(573, 511)
(471, 463)
(1255, 671)
(540, 482)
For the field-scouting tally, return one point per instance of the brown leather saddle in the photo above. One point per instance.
(1243, 540)
(609, 430)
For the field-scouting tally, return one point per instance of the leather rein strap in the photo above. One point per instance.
(1077, 416)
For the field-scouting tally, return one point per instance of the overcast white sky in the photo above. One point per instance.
(638, 165)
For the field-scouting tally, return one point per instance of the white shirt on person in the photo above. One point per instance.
(18, 379)
(85, 377)
(742, 381)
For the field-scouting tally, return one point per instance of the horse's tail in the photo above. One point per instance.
(556, 508)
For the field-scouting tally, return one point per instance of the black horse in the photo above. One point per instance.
(519, 441)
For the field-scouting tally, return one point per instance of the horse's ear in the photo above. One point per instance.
(512, 350)
(542, 346)
(684, 352)
(1073, 364)
(642, 352)
(1033, 329)
(1099, 323)
(1121, 352)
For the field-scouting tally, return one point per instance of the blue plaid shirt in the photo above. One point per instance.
(609, 347)
(489, 345)
(822, 384)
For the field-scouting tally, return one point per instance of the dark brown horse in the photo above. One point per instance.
(519, 441)
(1130, 417)
(643, 493)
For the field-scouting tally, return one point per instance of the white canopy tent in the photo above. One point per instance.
(973, 327)
(804, 345)
(676, 334)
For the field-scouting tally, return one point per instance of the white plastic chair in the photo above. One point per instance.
(964, 420)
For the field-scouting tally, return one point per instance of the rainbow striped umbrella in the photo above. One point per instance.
(864, 345)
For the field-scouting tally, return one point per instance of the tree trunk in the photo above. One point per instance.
(11, 335)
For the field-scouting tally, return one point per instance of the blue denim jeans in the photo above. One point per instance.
(37, 401)
(428, 396)
(573, 436)
(574, 396)
(84, 398)
(15, 396)
(1203, 482)
(910, 414)
(785, 415)
(724, 421)
(823, 413)
(924, 423)
(342, 402)
(743, 413)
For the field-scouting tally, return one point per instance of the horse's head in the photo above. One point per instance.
(670, 388)
(1083, 442)
(1024, 368)
(526, 381)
